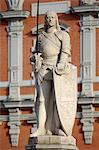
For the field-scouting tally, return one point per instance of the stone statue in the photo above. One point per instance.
(56, 83)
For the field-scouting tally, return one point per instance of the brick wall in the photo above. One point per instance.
(3, 52)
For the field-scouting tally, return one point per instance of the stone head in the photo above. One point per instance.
(51, 19)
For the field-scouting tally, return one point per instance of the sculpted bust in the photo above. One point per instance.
(56, 99)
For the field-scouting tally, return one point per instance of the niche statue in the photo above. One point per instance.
(55, 81)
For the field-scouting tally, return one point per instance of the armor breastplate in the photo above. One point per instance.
(50, 48)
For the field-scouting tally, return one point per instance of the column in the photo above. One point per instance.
(88, 54)
(15, 59)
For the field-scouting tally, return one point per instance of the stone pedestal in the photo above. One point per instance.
(51, 143)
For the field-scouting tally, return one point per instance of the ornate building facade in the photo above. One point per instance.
(17, 41)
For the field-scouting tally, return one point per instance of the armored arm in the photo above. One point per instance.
(65, 53)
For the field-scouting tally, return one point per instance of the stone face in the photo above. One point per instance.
(51, 142)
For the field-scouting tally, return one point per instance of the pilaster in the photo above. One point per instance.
(89, 21)
(14, 15)
(15, 59)
(88, 59)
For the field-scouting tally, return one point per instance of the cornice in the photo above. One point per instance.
(85, 9)
(18, 14)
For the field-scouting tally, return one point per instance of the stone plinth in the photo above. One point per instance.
(51, 143)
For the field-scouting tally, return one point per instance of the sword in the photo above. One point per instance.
(32, 58)
(37, 50)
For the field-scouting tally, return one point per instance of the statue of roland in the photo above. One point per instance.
(55, 81)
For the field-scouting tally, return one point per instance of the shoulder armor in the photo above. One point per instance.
(60, 34)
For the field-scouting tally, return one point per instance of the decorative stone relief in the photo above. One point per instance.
(14, 4)
(87, 120)
(14, 124)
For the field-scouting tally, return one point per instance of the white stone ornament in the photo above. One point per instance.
(88, 2)
(15, 4)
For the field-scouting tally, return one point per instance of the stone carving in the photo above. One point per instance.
(87, 121)
(15, 4)
(88, 2)
(55, 81)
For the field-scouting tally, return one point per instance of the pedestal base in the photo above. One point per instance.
(51, 143)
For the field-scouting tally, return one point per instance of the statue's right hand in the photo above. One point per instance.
(32, 59)
(36, 60)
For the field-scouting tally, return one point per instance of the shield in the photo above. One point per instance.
(66, 98)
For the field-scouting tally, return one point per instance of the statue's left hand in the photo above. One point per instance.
(60, 69)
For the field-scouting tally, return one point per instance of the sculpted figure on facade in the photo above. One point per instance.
(55, 81)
